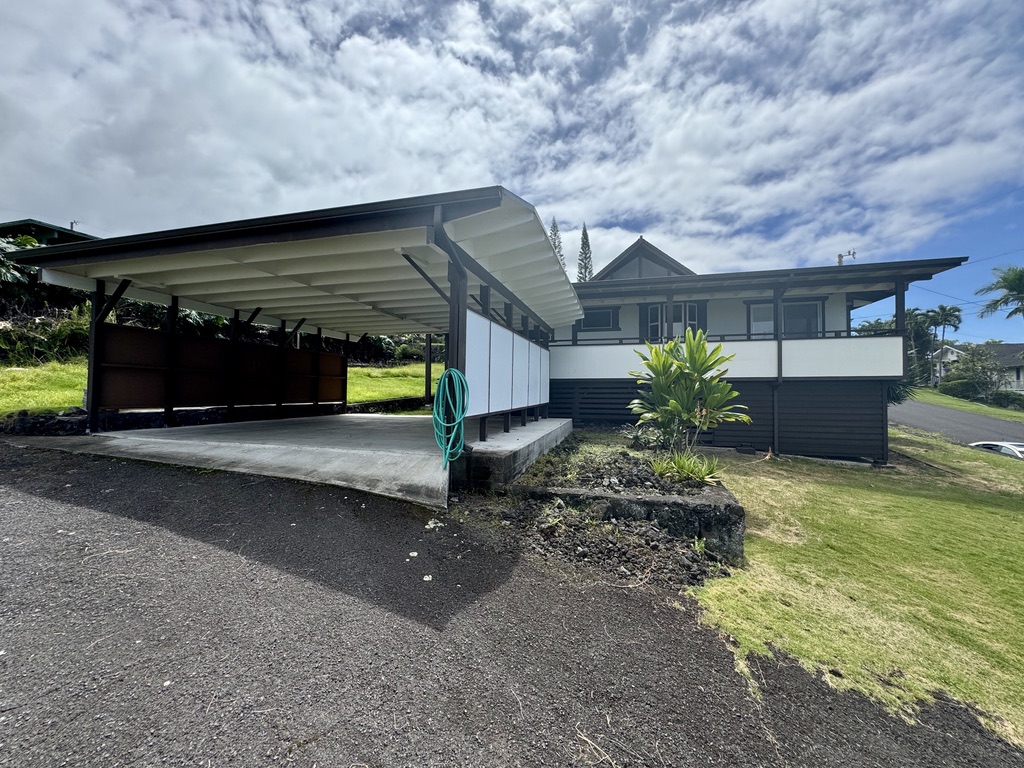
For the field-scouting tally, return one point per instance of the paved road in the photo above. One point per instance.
(956, 425)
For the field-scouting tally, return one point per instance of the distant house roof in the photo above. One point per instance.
(642, 260)
(44, 233)
(1009, 355)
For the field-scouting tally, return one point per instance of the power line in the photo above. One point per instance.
(944, 216)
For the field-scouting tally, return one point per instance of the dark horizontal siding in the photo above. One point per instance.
(757, 396)
(840, 419)
(605, 400)
(833, 418)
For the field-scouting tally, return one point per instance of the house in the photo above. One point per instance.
(811, 385)
(942, 361)
(1011, 358)
(44, 234)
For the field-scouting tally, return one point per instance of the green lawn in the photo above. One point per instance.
(903, 581)
(47, 387)
(56, 386)
(928, 395)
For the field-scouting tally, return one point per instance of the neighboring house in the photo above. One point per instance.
(44, 234)
(1011, 358)
(941, 362)
(812, 386)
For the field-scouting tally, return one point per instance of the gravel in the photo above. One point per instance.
(154, 615)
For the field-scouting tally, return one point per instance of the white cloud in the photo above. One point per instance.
(746, 135)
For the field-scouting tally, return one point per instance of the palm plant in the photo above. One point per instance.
(945, 317)
(1010, 281)
(687, 392)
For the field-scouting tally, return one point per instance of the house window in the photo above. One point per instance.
(799, 318)
(762, 321)
(656, 328)
(602, 319)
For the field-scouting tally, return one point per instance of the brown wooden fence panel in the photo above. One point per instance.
(135, 366)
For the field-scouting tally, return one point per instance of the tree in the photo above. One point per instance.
(946, 317)
(687, 391)
(1010, 281)
(585, 264)
(556, 241)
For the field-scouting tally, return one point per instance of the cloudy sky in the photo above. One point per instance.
(732, 134)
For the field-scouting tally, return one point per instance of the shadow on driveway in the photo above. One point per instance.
(355, 543)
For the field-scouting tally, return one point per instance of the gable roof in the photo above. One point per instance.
(1009, 355)
(642, 251)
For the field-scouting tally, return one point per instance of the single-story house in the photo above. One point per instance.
(811, 385)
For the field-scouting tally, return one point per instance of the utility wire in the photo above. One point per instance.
(940, 218)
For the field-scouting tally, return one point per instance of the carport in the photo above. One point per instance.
(475, 265)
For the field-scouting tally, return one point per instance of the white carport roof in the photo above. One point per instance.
(351, 270)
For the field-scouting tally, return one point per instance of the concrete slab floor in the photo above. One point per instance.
(393, 456)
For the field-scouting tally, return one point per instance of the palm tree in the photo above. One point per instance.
(1009, 280)
(945, 317)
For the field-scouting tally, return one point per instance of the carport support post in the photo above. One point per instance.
(458, 305)
(318, 348)
(525, 413)
(428, 352)
(233, 378)
(92, 391)
(171, 373)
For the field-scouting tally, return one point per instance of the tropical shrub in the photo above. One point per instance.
(687, 467)
(685, 391)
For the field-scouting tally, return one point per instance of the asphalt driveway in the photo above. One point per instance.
(156, 615)
(958, 426)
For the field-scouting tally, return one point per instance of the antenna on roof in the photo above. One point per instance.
(851, 254)
(76, 221)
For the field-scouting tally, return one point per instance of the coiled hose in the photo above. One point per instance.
(452, 398)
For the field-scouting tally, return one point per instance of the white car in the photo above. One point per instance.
(1014, 450)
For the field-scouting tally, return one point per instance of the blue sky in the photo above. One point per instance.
(732, 135)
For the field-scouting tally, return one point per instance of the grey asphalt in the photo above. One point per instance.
(958, 426)
(157, 615)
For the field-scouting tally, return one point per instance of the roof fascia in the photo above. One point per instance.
(851, 275)
(330, 222)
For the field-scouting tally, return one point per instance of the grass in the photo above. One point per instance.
(928, 395)
(47, 387)
(895, 583)
(56, 386)
(368, 384)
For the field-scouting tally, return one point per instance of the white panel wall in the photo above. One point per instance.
(545, 375)
(859, 356)
(754, 359)
(520, 372)
(501, 369)
(534, 391)
(478, 369)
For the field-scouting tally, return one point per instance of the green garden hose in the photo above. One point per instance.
(451, 400)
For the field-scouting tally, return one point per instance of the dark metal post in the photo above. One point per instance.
(428, 352)
(318, 348)
(92, 399)
(171, 375)
(233, 377)
(901, 323)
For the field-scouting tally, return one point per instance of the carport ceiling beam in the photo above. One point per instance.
(427, 277)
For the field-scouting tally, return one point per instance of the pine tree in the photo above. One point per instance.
(556, 241)
(585, 264)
